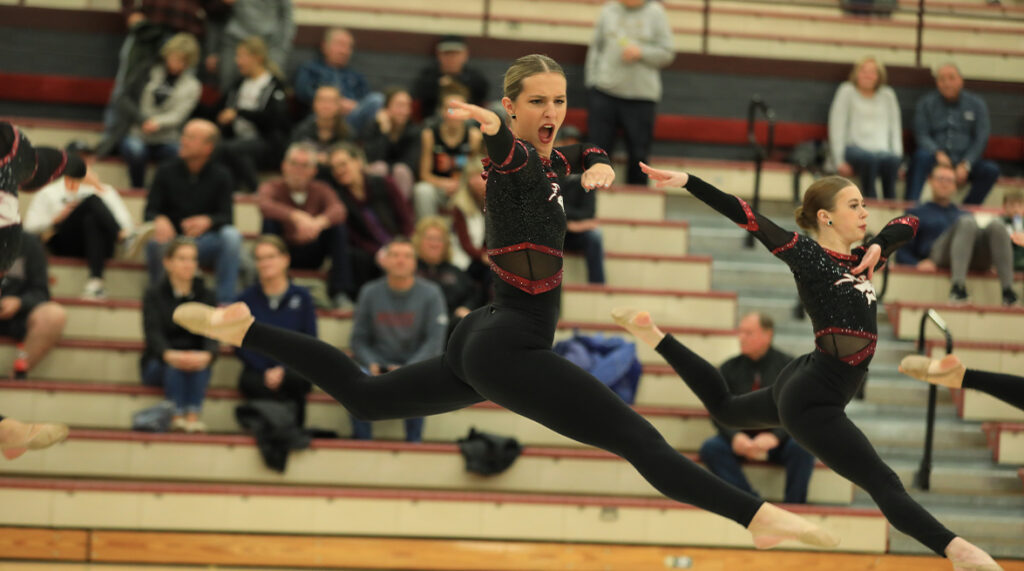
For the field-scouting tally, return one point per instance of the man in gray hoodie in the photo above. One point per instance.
(632, 42)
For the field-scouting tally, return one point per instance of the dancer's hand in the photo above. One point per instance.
(663, 178)
(597, 176)
(868, 262)
(489, 121)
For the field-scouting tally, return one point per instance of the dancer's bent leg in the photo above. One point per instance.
(752, 410)
(1007, 388)
(420, 389)
(825, 431)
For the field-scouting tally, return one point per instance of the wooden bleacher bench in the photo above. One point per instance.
(909, 284)
(372, 464)
(998, 357)
(1006, 439)
(334, 511)
(970, 322)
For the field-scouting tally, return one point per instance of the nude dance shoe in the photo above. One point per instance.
(34, 437)
(948, 371)
(227, 324)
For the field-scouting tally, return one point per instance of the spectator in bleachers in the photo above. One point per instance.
(150, 23)
(311, 219)
(446, 144)
(433, 243)
(191, 195)
(469, 250)
(26, 312)
(377, 211)
(277, 301)
(269, 20)
(865, 130)
(325, 126)
(948, 237)
(582, 233)
(951, 127)
(1013, 216)
(632, 42)
(399, 320)
(451, 66)
(358, 103)
(392, 140)
(148, 116)
(757, 366)
(253, 115)
(175, 359)
(82, 221)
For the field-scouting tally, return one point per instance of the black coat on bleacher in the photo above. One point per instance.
(161, 332)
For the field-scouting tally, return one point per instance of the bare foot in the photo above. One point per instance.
(948, 371)
(639, 323)
(773, 525)
(227, 324)
(18, 437)
(966, 556)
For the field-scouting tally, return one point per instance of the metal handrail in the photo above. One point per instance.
(761, 152)
(923, 477)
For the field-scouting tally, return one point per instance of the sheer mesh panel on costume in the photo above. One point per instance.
(529, 264)
(843, 346)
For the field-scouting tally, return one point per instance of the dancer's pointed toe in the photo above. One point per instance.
(948, 371)
(228, 324)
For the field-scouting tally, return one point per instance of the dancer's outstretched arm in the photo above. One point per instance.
(734, 208)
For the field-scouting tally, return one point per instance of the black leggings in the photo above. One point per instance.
(808, 399)
(89, 232)
(1007, 388)
(504, 354)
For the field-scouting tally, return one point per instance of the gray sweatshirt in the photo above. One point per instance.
(871, 123)
(618, 26)
(172, 112)
(399, 328)
(269, 19)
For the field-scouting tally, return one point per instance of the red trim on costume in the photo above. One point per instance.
(60, 169)
(532, 287)
(568, 169)
(597, 150)
(14, 147)
(511, 153)
(501, 168)
(525, 246)
(908, 220)
(787, 245)
(840, 255)
(856, 358)
(751, 225)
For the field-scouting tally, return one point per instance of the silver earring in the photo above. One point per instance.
(829, 222)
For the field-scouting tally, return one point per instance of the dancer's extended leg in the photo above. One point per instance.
(950, 372)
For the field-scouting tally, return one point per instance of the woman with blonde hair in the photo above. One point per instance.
(433, 244)
(810, 395)
(502, 351)
(865, 130)
(253, 115)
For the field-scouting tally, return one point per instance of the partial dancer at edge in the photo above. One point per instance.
(950, 372)
(502, 352)
(23, 166)
(811, 393)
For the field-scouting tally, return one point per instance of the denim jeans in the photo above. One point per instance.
(363, 430)
(186, 389)
(983, 177)
(137, 154)
(592, 246)
(220, 249)
(717, 454)
(871, 165)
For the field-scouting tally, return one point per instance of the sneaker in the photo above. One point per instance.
(179, 424)
(93, 290)
(137, 239)
(958, 294)
(342, 302)
(195, 426)
(1009, 297)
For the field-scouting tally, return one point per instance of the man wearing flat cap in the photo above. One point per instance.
(450, 67)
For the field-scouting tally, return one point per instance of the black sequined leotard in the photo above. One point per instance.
(524, 213)
(842, 306)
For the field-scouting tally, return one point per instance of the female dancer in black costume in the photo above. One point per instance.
(23, 166)
(950, 372)
(811, 392)
(502, 351)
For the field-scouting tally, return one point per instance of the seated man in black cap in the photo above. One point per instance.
(450, 67)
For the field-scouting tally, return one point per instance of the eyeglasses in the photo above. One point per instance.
(944, 178)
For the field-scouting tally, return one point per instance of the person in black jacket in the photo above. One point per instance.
(325, 126)
(253, 115)
(26, 312)
(433, 243)
(175, 358)
(450, 67)
(392, 141)
(757, 366)
(191, 195)
(582, 233)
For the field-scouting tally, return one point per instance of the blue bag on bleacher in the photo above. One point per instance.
(611, 359)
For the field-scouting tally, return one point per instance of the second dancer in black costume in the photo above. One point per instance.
(811, 393)
(502, 351)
